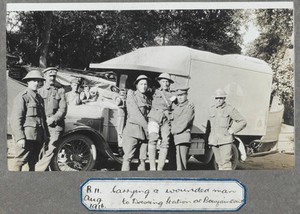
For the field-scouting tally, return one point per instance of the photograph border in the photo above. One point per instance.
(272, 191)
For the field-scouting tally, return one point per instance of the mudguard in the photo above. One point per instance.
(100, 143)
(241, 147)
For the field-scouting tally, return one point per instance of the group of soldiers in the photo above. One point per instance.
(169, 114)
(152, 121)
(37, 120)
(38, 116)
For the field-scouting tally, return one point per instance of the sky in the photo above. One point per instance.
(249, 35)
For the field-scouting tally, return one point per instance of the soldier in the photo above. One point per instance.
(94, 94)
(56, 110)
(85, 94)
(225, 121)
(135, 132)
(73, 97)
(182, 123)
(159, 121)
(28, 122)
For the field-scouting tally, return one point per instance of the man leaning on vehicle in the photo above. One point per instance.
(225, 121)
(56, 110)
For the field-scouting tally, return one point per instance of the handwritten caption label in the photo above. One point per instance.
(163, 194)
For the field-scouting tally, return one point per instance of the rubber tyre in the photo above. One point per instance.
(234, 160)
(79, 154)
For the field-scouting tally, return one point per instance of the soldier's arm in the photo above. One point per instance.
(62, 109)
(82, 96)
(18, 117)
(77, 100)
(184, 121)
(44, 119)
(239, 123)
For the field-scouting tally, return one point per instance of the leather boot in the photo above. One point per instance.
(142, 166)
(125, 165)
(162, 158)
(152, 156)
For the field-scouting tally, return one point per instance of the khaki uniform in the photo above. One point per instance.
(28, 122)
(223, 119)
(182, 123)
(56, 107)
(160, 125)
(73, 98)
(135, 132)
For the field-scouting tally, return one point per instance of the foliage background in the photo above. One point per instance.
(77, 38)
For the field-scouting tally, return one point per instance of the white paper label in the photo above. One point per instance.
(163, 194)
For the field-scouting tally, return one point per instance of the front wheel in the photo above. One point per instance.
(234, 159)
(74, 153)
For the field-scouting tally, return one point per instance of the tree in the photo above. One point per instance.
(273, 46)
(76, 38)
(45, 37)
(210, 30)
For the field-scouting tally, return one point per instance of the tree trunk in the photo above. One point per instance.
(45, 39)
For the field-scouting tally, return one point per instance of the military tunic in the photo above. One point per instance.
(183, 116)
(135, 132)
(56, 108)
(55, 104)
(73, 98)
(225, 121)
(28, 122)
(159, 117)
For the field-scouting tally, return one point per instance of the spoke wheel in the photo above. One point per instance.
(74, 153)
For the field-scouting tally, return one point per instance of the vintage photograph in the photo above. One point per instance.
(150, 89)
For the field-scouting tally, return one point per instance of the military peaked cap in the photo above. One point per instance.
(51, 70)
(182, 90)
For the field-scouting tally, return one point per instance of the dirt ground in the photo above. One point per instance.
(262, 162)
(269, 161)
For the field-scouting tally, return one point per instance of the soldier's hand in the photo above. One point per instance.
(50, 121)
(118, 101)
(173, 98)
(191, 105)
(21, 143)
(230, 131)
(121, 151)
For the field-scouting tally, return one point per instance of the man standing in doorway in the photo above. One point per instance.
(225, 122)
(56, 110)
(28, 122)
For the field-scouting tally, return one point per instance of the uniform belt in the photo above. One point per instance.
(164, 110)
